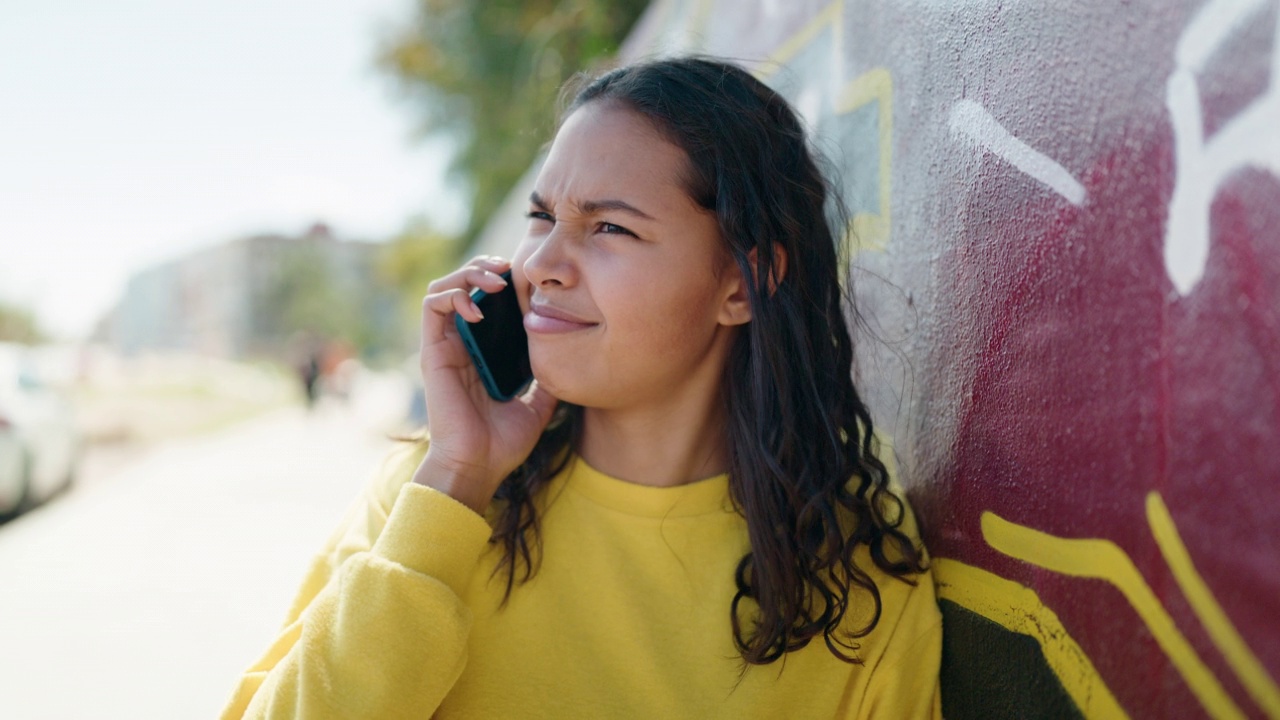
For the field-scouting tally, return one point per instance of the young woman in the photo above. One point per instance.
(684, 515)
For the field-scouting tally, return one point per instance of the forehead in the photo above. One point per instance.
(604, 150)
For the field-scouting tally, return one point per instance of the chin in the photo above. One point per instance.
(551, 375)
(564, 383)
(571, 395)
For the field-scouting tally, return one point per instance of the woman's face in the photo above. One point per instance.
(628, 293)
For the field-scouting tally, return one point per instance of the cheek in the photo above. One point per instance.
(518, 278)
(666, 317)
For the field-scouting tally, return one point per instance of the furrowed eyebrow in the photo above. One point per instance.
(591, 207)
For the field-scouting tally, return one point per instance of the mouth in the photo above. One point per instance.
(543, 318)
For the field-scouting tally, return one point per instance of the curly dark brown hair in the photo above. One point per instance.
(804, 470)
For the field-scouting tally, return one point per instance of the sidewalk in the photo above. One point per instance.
(146, 595)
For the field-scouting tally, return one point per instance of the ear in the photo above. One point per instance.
(736, 309)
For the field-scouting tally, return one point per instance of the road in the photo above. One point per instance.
(144, 591)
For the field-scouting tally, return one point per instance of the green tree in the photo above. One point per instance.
(301, 295)
(18, 324)
(487, 73)
(409, 262)
(305, 295)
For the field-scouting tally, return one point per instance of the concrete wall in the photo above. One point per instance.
(1068, 236)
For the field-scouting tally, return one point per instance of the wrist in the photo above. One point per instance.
(462, 485)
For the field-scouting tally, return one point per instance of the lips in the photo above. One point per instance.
(544, 318)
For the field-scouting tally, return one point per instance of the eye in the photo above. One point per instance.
(540, 215)
(611, 229)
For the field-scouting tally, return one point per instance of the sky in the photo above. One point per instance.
(134, 131)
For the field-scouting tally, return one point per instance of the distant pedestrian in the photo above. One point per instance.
(309, 375)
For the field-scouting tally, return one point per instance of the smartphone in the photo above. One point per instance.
(498, 345)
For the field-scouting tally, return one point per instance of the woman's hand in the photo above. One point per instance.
(475, 440)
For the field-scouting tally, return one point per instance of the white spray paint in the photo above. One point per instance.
(970, 119)
(1250, 139)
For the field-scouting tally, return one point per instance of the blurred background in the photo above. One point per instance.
(217, 221)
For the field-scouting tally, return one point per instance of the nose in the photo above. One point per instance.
(551, 262)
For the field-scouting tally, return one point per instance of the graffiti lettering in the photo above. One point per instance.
(970, 119)
(1019, 609)
(1252, 674)
(1104, 560)
(1248, 140)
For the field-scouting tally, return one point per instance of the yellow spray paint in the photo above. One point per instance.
(829, 17)
(1104, 560)
(1019, 609)
(871, 230)
(867, 231)
(1252, 674)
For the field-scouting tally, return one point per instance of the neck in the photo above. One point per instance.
(661, 445)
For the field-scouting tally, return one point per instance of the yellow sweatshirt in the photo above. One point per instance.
(628, 616)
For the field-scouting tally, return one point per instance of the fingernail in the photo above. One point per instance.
(477, 309)
(499, 277)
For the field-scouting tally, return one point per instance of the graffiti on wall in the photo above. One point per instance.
(1066, 222)
(1249, 139)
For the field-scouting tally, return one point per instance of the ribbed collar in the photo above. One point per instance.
(710, 495)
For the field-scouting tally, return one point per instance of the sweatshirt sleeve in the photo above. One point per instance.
(379, 628)
(905, 683)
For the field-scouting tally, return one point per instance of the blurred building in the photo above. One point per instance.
(252, 297)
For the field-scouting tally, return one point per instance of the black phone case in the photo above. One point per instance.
(477, 357)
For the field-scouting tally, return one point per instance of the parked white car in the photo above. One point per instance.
(39, 441)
